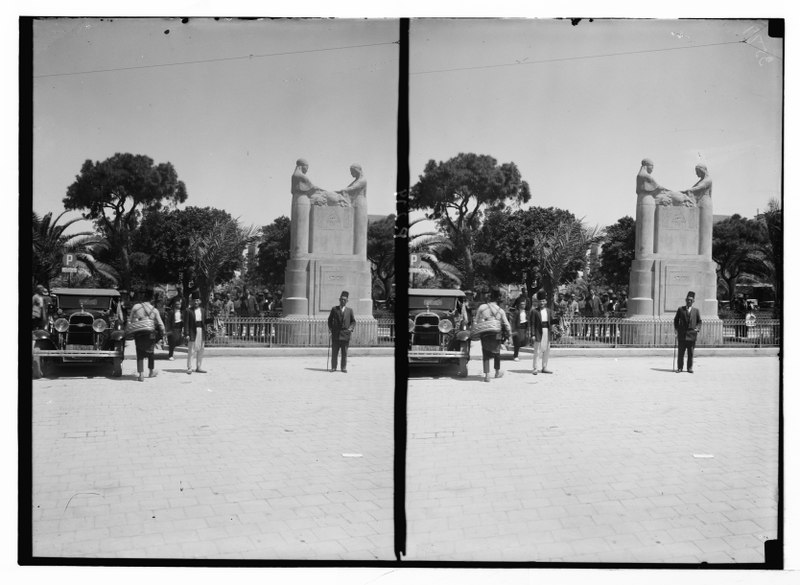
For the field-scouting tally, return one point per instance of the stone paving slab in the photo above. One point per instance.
(607, 460)
(244, 462)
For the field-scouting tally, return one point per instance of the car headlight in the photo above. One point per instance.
(410, 325)
(445, 326)
(99, 325)
(61, 325)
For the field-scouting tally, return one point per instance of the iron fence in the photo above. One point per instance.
(617, 332)
(272, 331)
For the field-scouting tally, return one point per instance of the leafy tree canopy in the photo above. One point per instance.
(737, 248)
(164, 243)
(380, 252)
(619, 250)
(459, 191)
(512, 239)
(274, 250)
(115, 192)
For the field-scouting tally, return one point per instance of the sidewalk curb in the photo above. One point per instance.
(617, 352)
(180, 352)
(555, 352)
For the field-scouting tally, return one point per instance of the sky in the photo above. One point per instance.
(231, 103)
(577, 107)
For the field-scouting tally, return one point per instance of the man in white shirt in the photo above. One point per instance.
(194, 322)
(540, 322)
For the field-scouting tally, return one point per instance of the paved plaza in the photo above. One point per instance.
(607, 460)
(260, 458)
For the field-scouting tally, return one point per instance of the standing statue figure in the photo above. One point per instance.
(359, 185)
(645, 183)
(701, 192)
(301, 184)
(302, 191)
(356, 194)
(701, 188)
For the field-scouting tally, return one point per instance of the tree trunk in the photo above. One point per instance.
(469, 269)
(731, 282)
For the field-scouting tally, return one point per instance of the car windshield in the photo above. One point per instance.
(94, 302)
(440, 303)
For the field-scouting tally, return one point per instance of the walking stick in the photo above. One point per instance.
(674, 350)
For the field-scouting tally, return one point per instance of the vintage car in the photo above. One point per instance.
(437, 327)
(85, 328)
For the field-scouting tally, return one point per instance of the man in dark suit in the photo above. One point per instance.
(687, 326)
(341, 323)
(194, 323)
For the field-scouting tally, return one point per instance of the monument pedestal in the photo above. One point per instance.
(316, 277)
(661, 277)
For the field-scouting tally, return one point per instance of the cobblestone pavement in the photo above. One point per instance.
(260, 458)
(606, 460)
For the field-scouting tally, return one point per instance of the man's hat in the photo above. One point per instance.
(690, 295)
(541, 296)
(195, 295)
(344, 294)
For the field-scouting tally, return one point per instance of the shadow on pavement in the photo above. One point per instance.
(434, 371)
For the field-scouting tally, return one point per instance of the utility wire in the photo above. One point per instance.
(579, 58)
(216, 60)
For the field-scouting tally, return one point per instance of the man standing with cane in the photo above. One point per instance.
(687, 326)
(341, 323)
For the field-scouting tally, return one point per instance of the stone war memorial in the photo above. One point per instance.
(328, 255)
(673, 257)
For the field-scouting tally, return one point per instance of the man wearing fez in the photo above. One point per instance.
(687, 326)
(194, 323)
(540, 320)
(341, 323)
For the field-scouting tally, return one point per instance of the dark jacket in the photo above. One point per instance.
(537, 324)
(341, 323)
(519, 331)
(170, 324)
(190, 324)
(687, 323)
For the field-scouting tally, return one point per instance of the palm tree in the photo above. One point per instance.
(224, 242)
(50, 243)
(557, 248)
(428, 247)
(772, 249)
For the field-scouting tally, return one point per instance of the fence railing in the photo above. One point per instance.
(274, 331)
(277, 332)
(616, 332)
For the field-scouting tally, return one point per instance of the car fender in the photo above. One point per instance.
(462, 335)
(44, 342)
(117, 336)
(40, 334)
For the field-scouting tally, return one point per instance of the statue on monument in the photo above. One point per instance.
(701, 188)
(302, 185)
(359, 185)
(647, 185)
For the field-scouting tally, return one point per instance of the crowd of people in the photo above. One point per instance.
(496, 325)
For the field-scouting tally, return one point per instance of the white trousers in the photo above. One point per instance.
(196, 347)
(542, 349)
